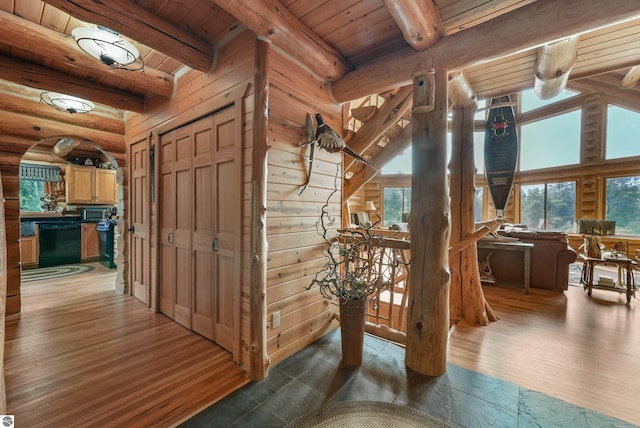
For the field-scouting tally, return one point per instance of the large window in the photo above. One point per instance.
(397, 205)
(30, 193)
(623, 133)
(548, 206)
(530, 101)
(402, 164)
(550, 142)
(623, 204)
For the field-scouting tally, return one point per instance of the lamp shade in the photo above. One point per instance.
(66, 103)
(108, 47)
(369, 206)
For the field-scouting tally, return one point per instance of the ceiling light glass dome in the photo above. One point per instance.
(108, 47)
(66, 103)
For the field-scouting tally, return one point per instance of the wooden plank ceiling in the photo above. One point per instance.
(333, 38)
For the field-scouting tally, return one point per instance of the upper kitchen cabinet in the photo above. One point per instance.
(90, 185)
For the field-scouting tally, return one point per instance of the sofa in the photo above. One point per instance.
(550, 259)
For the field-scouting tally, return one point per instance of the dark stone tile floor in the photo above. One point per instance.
(460, 397)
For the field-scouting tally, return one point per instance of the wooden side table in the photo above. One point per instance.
(625, 267)
(524, 247)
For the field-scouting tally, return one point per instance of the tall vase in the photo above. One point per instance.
(353, 314)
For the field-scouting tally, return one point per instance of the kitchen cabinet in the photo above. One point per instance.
(89, 185)
(29, 251)
(90, 241)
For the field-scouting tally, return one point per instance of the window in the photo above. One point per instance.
(32, 187)
(477, 206)
(623, 204)
(30, 193)
(400, 165)
(558, 135)
(548, 206)
(397, 205)
(530, 101)
(623, 133)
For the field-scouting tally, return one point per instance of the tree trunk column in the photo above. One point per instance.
(428, 317)
(467, 297)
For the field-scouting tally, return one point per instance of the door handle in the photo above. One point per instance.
(169, 237)
(132, 229)
(214, 245)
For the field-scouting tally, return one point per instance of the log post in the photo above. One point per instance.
(259, 361)
(467, 298)
(428, 317)
(3, 300)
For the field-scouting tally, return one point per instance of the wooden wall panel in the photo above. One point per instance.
(294, 254)
(234, 70)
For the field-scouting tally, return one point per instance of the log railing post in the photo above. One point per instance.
(428, 317)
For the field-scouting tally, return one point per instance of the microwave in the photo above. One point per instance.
(95, 214)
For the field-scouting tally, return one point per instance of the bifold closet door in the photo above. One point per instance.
(175, 225)
(200, 222)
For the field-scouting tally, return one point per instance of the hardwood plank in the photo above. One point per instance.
(82, 354)
(577, 348)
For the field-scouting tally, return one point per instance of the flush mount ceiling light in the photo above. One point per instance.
(66, 103)
(107, 46)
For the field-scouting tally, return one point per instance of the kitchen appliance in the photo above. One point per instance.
(106, 235)
(60, 243)
(95, 213)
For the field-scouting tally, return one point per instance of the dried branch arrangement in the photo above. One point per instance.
(351, 271)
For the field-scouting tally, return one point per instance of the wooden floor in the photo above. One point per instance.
(580, 349)
(82, 354)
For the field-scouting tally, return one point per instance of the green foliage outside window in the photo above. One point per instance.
(397, 205)
(549, 206)
(623, 204)
(30, 193)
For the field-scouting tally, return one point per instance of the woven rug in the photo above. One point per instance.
(54, 272)
(370, 414)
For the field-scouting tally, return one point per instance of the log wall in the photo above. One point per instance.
(294, 252)
(25, 124)
(294, 247)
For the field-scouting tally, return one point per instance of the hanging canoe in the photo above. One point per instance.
(500, 151)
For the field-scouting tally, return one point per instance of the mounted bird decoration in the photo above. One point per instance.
(328, 139)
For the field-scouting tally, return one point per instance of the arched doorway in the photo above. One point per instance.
(64, 168)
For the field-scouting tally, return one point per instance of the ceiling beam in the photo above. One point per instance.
(29, 36)
(461, 94)
(546, 21)
(631, 78)
(610, 92)
(553, 65)
(32, 106)
(273, 21)
(419, 21)
(31, 127)
(384, 118)
(128, 18)
(43, 78)
(389, 152)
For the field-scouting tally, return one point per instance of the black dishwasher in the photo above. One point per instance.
(59, 243)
